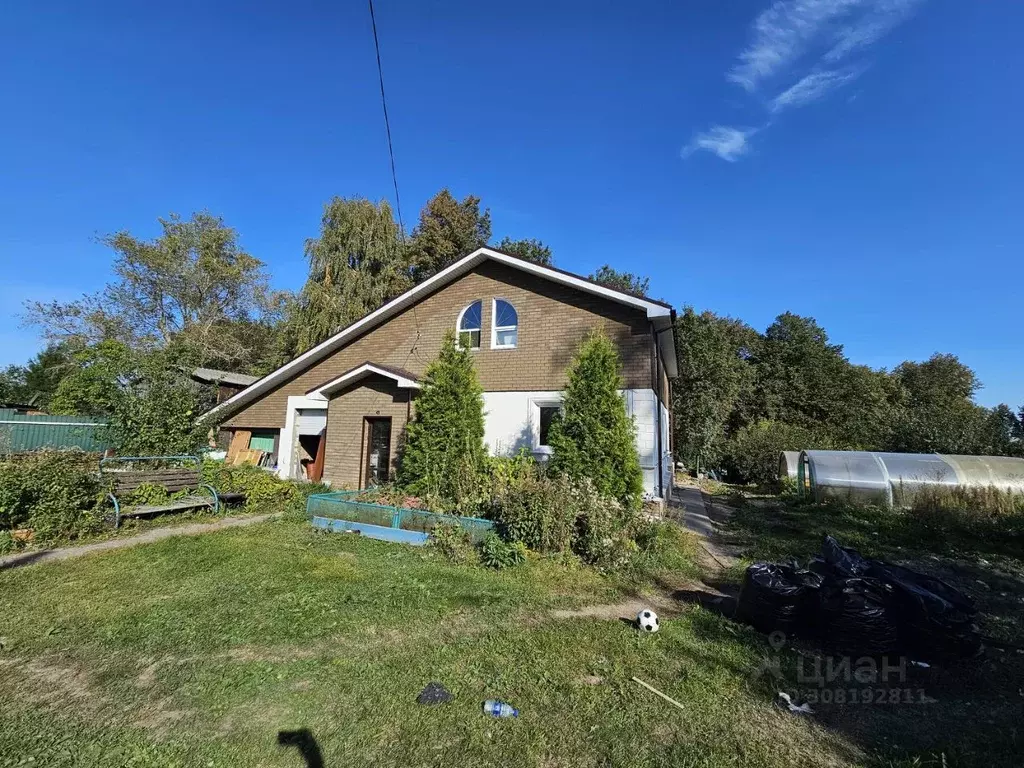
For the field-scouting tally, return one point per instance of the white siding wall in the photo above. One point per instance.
(510, 423)
(666, 455)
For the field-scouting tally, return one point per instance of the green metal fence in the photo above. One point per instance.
(341, 505)
(19, 433)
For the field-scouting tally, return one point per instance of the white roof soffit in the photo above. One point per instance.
(658, 313)
(358, 373)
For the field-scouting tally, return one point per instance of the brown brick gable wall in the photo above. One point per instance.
(346, 434)
(553, 320)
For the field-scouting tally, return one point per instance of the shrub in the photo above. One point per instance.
(443, 457)
(604, 528)
(7, 543)
(754, 450)
(263, 490)
(593, 437)
(534, 509)
(497, 553)
(56, 493)
(453, 542)
(558, 515)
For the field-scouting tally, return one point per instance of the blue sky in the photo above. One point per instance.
(858, 161)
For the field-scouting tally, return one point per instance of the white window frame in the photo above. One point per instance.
(535, 406)
(459, 330)
(495, 328)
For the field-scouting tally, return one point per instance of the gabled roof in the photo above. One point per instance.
(658, 312)
(404, 379)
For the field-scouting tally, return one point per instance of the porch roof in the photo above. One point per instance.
(404, 379)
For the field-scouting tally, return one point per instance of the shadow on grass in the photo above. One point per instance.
(26, 558)
(304, 742)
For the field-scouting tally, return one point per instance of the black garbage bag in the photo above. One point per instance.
(935, 620)
(854, 618)
(843, 561)
(777, 597)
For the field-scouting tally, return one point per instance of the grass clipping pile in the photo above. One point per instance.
(859, 607)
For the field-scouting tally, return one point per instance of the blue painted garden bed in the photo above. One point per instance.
(340, 511)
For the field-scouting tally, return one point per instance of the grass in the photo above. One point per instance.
(200, 650)
(976, 718)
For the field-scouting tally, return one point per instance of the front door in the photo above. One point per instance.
(378, 451)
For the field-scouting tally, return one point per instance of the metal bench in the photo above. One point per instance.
(171, 479)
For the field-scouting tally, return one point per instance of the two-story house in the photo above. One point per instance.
(342, 407)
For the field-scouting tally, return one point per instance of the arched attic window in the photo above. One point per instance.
(505, 325)
(468, 326)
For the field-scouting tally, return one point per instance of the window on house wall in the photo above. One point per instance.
(506, 325)
(470, 322)
(547, 414)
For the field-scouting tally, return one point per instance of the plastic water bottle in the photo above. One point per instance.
(496, 708)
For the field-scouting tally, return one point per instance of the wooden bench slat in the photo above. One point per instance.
(155, 477)
(171, 506)
(171, 487)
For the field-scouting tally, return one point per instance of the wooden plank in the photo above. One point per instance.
(178, 504)
(153, 477)
(249, 456)
(123, 488)
(239, 442)
(315, 471)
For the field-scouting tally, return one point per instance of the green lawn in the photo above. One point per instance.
(977, 716)
(198, 651)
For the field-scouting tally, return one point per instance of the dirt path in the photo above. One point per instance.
(704, 517)
(156, 534)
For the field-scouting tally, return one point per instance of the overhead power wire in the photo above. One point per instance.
(387, 123)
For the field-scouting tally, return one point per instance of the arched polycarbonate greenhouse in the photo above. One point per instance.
(789, 464)
(892, 479)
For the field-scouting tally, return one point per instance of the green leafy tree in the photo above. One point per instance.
(593, 437)
(447, 231)
(799, 373)
(97, 385)
(622, 281)
(182, 287)
(530, 250)
(937, 412)
(444, 451)
(12, 384)
(999, 433)
(147, 398)
(714, 373)
(35, 383)
(355, 266)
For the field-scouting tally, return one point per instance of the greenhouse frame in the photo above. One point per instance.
(892, 479)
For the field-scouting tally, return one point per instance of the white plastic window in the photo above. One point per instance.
(469, 324)
(505, 326)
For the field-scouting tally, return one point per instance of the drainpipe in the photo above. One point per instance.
(657, 408)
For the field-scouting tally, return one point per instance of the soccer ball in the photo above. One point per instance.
(647, 620)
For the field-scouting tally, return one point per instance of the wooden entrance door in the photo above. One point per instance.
(378, 451)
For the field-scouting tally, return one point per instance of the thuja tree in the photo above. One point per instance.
(593, 437)
(444, 450)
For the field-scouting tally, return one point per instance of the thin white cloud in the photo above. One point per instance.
(727, 142)
(812, 87)
(885, 16)
(791, 29)
(812, 36)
